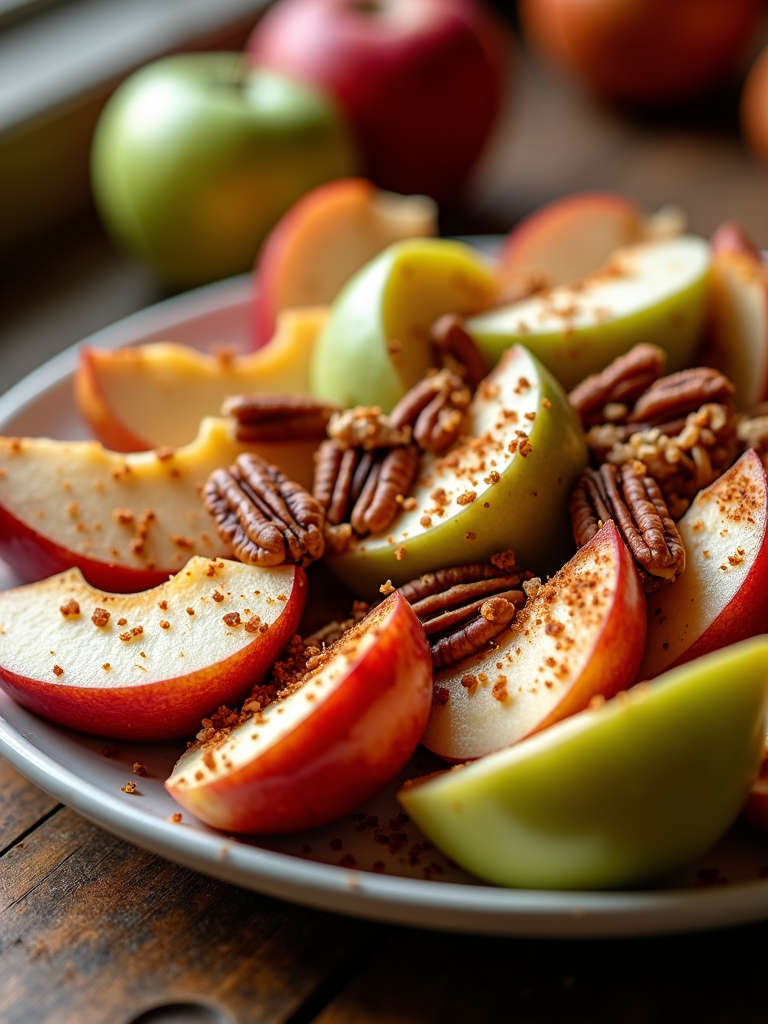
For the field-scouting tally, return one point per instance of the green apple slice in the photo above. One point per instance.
(615, 796)
(656, 291)
(505, 486)
(375, 345)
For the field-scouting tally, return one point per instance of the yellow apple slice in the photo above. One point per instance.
(151, 665)
(146, 396)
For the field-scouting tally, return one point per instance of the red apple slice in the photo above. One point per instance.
(324, 239)
(569, 238)
(128, 521)
(738, 336)
(146, 666)
(722, 597)
(756, 808)
(581, 636)
(327, 746)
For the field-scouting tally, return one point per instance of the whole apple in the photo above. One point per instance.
(421, 81)
(196, 157)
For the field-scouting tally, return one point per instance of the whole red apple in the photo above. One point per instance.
(421, 81)
(644, 51)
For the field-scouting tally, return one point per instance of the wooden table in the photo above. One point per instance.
(95, 930)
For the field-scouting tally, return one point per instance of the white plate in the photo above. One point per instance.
(352, 866)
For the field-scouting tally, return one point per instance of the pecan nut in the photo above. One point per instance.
(278, 417)
(610, 394)
(457, 350)
(263, 516)
(436, 409)
(678, 394)
(633, 500)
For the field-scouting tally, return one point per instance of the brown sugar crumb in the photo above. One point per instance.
(109, 752)
(499, 690)
(100, 617)
(174, 818)
(530, 416)
(122, 621)
(425, 521)
(58, 670)
(165, 624)
(504, 560)
(545, 403)
(190, 611)
(130, 787)
(106, 666)
(70, 608)
(468, 680)
(162, 605)
(217, 596)
(139, 769)
(466, 498)
(400, 553)
(409, 504)
(386, 588)
(73, 510)
(131, 633)
(181, 542)
(164, 454)
(123, 516)
(441, 696)
(470, 536)
(253, 625)
(493, 477)
(231, 619)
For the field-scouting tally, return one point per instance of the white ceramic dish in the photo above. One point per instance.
(353, 866)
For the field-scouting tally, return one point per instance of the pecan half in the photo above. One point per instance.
(633, 500)
(620, 384)
(678, 394)
(263, 516)
(457, 350)
(278, 417)
(464, 607)
(436, 409)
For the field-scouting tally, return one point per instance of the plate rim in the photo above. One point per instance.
(450, 906)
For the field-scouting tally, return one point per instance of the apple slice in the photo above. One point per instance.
(128, 521)
(505, 486)
(738, 330)
(376, 344)
(755, 810)
(722, 596)
(324, 238)
(147, 396)
(615, 796)
(333, 741)
(581, 636)
(656, 291)
(569, 238)
(146, 666)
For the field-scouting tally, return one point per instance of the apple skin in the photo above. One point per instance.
(616, 796)
(341, 752)
(323, 239)
(421, 81)
(221, 663)
(570, 237)
(753, 112)
(146, 396)
(644, 52)
(195, 158)
(396, 297)
(721, 596)
(755, 810)
(597, 604)
(536, 486)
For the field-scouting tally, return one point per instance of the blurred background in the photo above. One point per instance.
(566, 124)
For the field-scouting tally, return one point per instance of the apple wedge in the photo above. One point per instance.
(147, 396)
(738, 328)
(722, 596)
(324, 238)
(569, 238)
(656, 291)
(128, 521)
(146, 666)
(505, 485)
(615, 796)
(341, 732)
(376, 343)
(581, 636)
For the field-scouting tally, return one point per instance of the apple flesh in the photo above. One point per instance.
(147, 396)
(580, 637)
(721, 596)
(146, 666)
(128, 521)
(656, 291)
(325, 237)
(375, 345)
(327, 746)
(615, 796)
(505, 486)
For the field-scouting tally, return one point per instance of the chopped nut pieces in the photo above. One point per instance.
(265, 518)
(457, 350)
(619, 384)
(752, 432)
(633, 500)
(464, 607)
(366, 427)
(278, 417)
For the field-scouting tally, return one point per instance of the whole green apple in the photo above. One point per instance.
(616, 795)
(195, 158)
